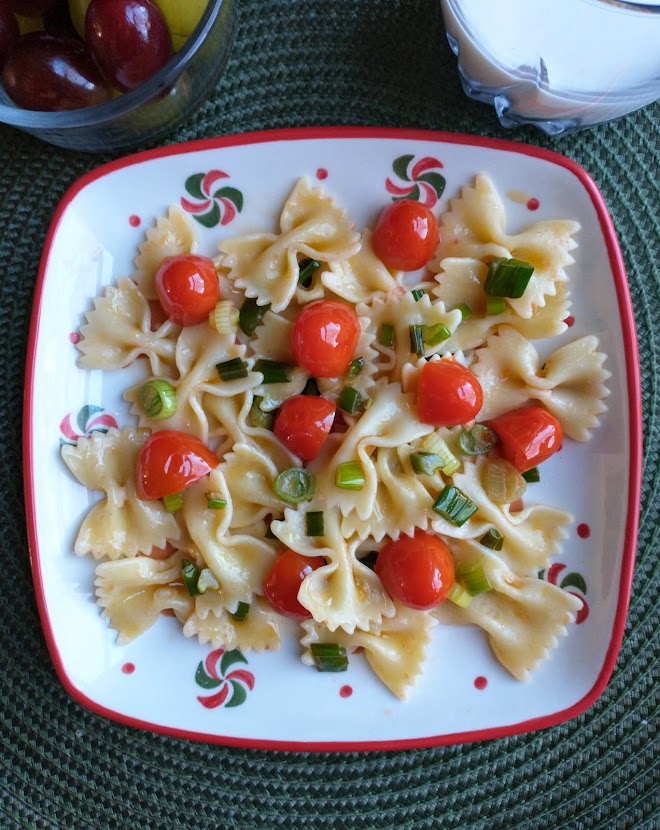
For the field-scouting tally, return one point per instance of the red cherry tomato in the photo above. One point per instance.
(283, 582)
(406, 235)
(170, 461)
(303, 424)
(188, 288)
(324, 338)
(448, 394)
(527, 436)
(417, 571)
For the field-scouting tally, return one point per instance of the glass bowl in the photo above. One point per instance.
(151, 110)
(561, 65)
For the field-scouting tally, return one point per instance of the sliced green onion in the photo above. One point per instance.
(294, 485)
(432, 335)
(251, 315)
(386, 335)
(433, 443)
(416, 340)
(426, 463)
(418, 293)
(355, 367)
(158, 399)
(173, 502)
(508, 277)
(274, 371)
(224, 317)
(232, 369)
(329, 657)
(314, 524)
(466, 311)
(190, 574)
(495, 305)
(207, 582)
(459, 596)
(454, 505)
(532, 476)
(478, 440)
(215, 502)
(493, 539)
(306, 269)
(350, 475)
(474, 578)
(241, 612)
(369, 559)
(350, 400)
(311, 387)
(502, 482)
(259, 418)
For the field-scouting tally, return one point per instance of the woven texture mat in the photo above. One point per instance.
(327, 62)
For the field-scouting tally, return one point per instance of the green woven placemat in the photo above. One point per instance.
(327, 62)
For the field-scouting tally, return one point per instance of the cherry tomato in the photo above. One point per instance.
(527, 436)
(406, 235)
(448, 394)
(283, 582)
(170, 461)
(303, 424)
(417, 571)
(324, 338)
(188, 288)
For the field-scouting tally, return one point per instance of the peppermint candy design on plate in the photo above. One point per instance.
(553, 575)
(418, 180)
(213, 673)
(89, 419)
(211, 205)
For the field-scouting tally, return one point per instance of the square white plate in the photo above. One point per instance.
(167, 683)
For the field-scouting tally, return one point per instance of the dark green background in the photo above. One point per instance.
(319, 62)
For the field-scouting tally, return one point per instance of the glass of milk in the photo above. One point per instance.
(561, 65)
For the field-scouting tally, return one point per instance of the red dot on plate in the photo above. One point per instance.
(570, 321)
(583, 531)
(321, 173)
(74, 337)
(134, 221)
(128, 668)
(480, 682)
(346, 691)
(533, 204)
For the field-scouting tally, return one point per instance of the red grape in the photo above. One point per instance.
(46, 73)
(9, 31)
(129, 39)
(34, 8)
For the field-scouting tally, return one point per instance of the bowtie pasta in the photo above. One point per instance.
(207, 558)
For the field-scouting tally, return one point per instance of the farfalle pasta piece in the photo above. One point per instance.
(120, 524)
(523, 616)
(130, 591)
(570, 384)
(395, 650)
(211, 623)
(172, 235)
(362, 276)
(461, 281)
(344, 593)
(272, 341)
(475, 227)
(266, 265)
(119, 330)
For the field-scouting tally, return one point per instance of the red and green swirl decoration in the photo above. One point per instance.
(211, 205)
(88, 420)
(555, 576)
(216, 672)
(419, 180)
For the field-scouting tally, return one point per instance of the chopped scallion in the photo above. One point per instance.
(224, 317)
(433, 335)
(158, 399)
(250, 315)
(493, 539)
(215, 502)
(454, 505)
(274, 371)
(350, 400)
(190, 574)
(495, 305)
(508, 277)
(478, 440)
(355, 367)
(329, 656)
(306, 269)
(433, 443)
(418, 293)
(416, 340)
(466, 311)
(350, 475)
(173, 502)
(502, 481)
(232, 369)
(207, 582)
(241, 612)
(459, 596)
(532, 476)
(425, 463)
(259, 418)
(314, 523)
(294, 485)
(386, 335)
(311, 387)
(474, 578)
